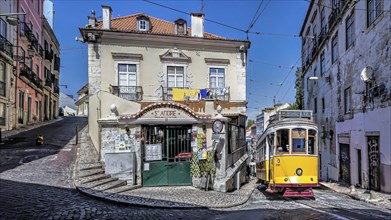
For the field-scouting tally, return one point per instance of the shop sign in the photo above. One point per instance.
(165, 113)
(153, 152)
(124, 143)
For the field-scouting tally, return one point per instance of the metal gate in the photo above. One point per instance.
(344, 166)
(374, 162)
(167, 155)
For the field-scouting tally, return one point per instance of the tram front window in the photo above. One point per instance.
(282, 141)
(298, 140)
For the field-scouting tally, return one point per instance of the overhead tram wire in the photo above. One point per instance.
(183, 12)
(252, 21)
(287, 75)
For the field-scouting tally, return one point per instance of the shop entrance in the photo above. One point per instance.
(166, 155)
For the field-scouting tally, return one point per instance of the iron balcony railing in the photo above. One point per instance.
(30, 75)
(48, 55)
(48, 82)
(208, 94)
(6, 46)
(25, 31)
(57, 63)
(56, 89)
(131, 93)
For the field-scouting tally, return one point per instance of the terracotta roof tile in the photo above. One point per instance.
(159, 26)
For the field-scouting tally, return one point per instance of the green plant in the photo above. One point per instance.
(202, 168)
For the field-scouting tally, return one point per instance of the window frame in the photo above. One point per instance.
(334, 48)
(143, 25)
(322, 64)
(376, 12)
(3, 28)
(315, 105)
(175, 75)
(3, 79)
(216, 76)
(350, 30)
(127, 73)
(347, 97)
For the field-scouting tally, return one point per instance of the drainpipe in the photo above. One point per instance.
(16, 74)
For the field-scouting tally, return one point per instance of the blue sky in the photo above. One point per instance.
(272, 53)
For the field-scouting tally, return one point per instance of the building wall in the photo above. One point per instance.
(371, 48)
(7, 100)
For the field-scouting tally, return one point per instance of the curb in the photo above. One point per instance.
(16, 131)
(355, 197)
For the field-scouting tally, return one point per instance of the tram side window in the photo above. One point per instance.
(270, 141)
(311, 141)
(298, 140)
(282, 141)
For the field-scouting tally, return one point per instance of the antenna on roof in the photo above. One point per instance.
(202, 6)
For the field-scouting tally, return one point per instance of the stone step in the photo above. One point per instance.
(91, 172)
(121, 189)
(110, 185)
(90, 166)
(93, 178)
(99, 182)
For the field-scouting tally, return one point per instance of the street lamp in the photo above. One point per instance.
(10, 19)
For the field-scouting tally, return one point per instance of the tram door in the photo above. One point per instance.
(344, 155)
(167, 155)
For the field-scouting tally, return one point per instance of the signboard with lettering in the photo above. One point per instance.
(166, 113)
(124, 143)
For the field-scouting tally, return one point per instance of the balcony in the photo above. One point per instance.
(208, 94)
(48, 82)
(130, 93)
(27, 73)
(48, 55)
(6, 47)
(27, 33)
(56, 89)
(57, 63)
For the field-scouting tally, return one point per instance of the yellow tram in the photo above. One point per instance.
(287, 154)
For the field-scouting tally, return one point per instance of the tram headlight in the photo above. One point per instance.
(299, 171)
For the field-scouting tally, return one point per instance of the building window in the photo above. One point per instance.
(350, 37)
(322, 21)
(127, 75)
(315, 73)
(216, 77)
(323, 105)
(3, 28)
(374, 10)
(37, 6)
(21, 107)
(143, 24)
(347, 100)
(315, 105)
(322, 64)
(2, 79)
(36, 108)
(37, 69)
(22, 55)
(175, 76)
(334, 52)
(2, 114)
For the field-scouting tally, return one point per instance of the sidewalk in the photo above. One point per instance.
(5, 134)
(377, 198)
(89, 179)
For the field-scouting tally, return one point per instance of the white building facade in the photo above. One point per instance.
(154, 91)
(347, 83)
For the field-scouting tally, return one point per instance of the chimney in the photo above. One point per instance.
(197, 24)
(106, 13)
(92, 20)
